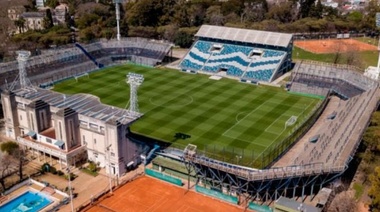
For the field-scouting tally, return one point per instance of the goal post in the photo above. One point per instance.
(81, 75)
(291, 121)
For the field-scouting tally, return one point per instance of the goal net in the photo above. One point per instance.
(81, 75)
(291, 121)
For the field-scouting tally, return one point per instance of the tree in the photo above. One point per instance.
(140, 31)
(182, 16)
(151, 12)
(355, 17)
(343, 201)
(214, 15)
(353, 57)
(305, 7)
(371, 138)
(232, 6)
(284, 12)
(254, 11)
(375, 188)
(168, 32)
(316, 11)
(20, 24)
(6, 163)
(11, 148)
(52, 3)
(48, 20)
(184, 37)
(198, 14)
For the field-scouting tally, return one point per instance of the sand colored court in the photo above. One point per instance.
(333, 45)
(149, 194)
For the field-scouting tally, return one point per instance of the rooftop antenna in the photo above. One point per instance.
(22, 59)
(117, 8)
(134, 80)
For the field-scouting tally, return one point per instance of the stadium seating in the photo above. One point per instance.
(235, 59)
(319, 78)
(262, 69)
(62, 63)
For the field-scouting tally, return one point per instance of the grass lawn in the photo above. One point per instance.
(372, 41)
(369, 58)
(359, 189)
(236, 121)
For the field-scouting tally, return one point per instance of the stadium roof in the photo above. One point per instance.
(245, 35)
(85, 104)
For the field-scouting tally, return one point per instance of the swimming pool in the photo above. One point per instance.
(27, 202)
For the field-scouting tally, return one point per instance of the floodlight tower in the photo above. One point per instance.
(134, 80)
(23, 57)
(117, 8)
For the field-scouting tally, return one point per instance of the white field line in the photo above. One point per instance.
(282, 132)
(238, 122)
(285, 114)
(266, 129)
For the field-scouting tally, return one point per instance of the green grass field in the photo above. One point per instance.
(367, 58)
(221, 116)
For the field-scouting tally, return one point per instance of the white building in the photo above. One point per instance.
(71, 128)
(40, 3)
(372, 72)
(34, 20)
(59, 14)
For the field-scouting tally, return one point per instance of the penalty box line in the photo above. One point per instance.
(299, 114)
(283, 131)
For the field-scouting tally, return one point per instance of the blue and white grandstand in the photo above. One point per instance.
(248, 55)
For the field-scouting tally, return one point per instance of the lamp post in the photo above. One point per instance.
(70, 190)
(109, 166)
(237, 159)
(143, 159)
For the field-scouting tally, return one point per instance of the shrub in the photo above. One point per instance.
(92, 167)
(60, 173)
(87, 171)
(53, 170)
(45, 167)
(72, 176)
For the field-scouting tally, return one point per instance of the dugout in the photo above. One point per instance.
(173, 167)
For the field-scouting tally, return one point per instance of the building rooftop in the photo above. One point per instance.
(33, 15)
(245, 35)
(84, 104)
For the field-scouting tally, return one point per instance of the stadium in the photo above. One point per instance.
(217, 120)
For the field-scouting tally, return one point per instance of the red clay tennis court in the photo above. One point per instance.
(149, 194)
(333, 45)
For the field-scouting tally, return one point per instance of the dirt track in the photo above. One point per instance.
(333, 45)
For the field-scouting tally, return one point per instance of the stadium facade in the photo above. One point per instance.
(73, 128)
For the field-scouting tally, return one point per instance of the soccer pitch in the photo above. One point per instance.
(224, 118)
